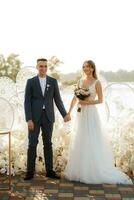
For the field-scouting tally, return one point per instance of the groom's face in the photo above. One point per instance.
(42, 67)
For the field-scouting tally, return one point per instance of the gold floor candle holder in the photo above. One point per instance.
(6, 124)
(9, 153)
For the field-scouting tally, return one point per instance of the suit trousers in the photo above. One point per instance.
(47, 128)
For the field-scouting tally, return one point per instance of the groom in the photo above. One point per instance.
(40, 92)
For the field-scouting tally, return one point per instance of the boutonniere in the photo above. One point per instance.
(48, 86)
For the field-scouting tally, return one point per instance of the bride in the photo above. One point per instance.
(90, 158)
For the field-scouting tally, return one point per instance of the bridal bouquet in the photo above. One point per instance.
(82, 94)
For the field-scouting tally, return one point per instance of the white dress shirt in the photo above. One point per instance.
(43, 86)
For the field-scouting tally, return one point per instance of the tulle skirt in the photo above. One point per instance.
(90, 158)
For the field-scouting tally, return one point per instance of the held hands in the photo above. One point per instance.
(67, 117)
(30, 125)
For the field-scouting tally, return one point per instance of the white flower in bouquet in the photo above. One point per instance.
(82, 94)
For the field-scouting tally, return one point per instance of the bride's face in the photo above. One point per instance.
(87, 69)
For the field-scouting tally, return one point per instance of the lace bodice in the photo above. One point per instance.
(91, 88)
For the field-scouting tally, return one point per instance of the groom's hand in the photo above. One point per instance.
(67, 118)
(30, 125)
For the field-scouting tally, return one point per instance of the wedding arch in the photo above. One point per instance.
(119, 117)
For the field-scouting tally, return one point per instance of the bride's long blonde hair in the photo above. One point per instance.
(93, 66)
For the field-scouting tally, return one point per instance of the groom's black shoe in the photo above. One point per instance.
(52, 174)
(28, 176)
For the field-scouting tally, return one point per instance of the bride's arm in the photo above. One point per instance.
(99, 95)
(74, 100)
(72, 104)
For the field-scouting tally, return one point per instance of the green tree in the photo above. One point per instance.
(119, 76)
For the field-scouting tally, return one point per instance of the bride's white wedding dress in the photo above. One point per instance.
(90, 158)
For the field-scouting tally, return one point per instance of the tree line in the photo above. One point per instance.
(118, 76)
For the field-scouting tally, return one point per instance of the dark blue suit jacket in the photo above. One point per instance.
(34, 99)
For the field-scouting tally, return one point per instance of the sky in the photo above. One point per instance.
(72, 30)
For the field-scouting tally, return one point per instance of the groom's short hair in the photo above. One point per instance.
(41, 59)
